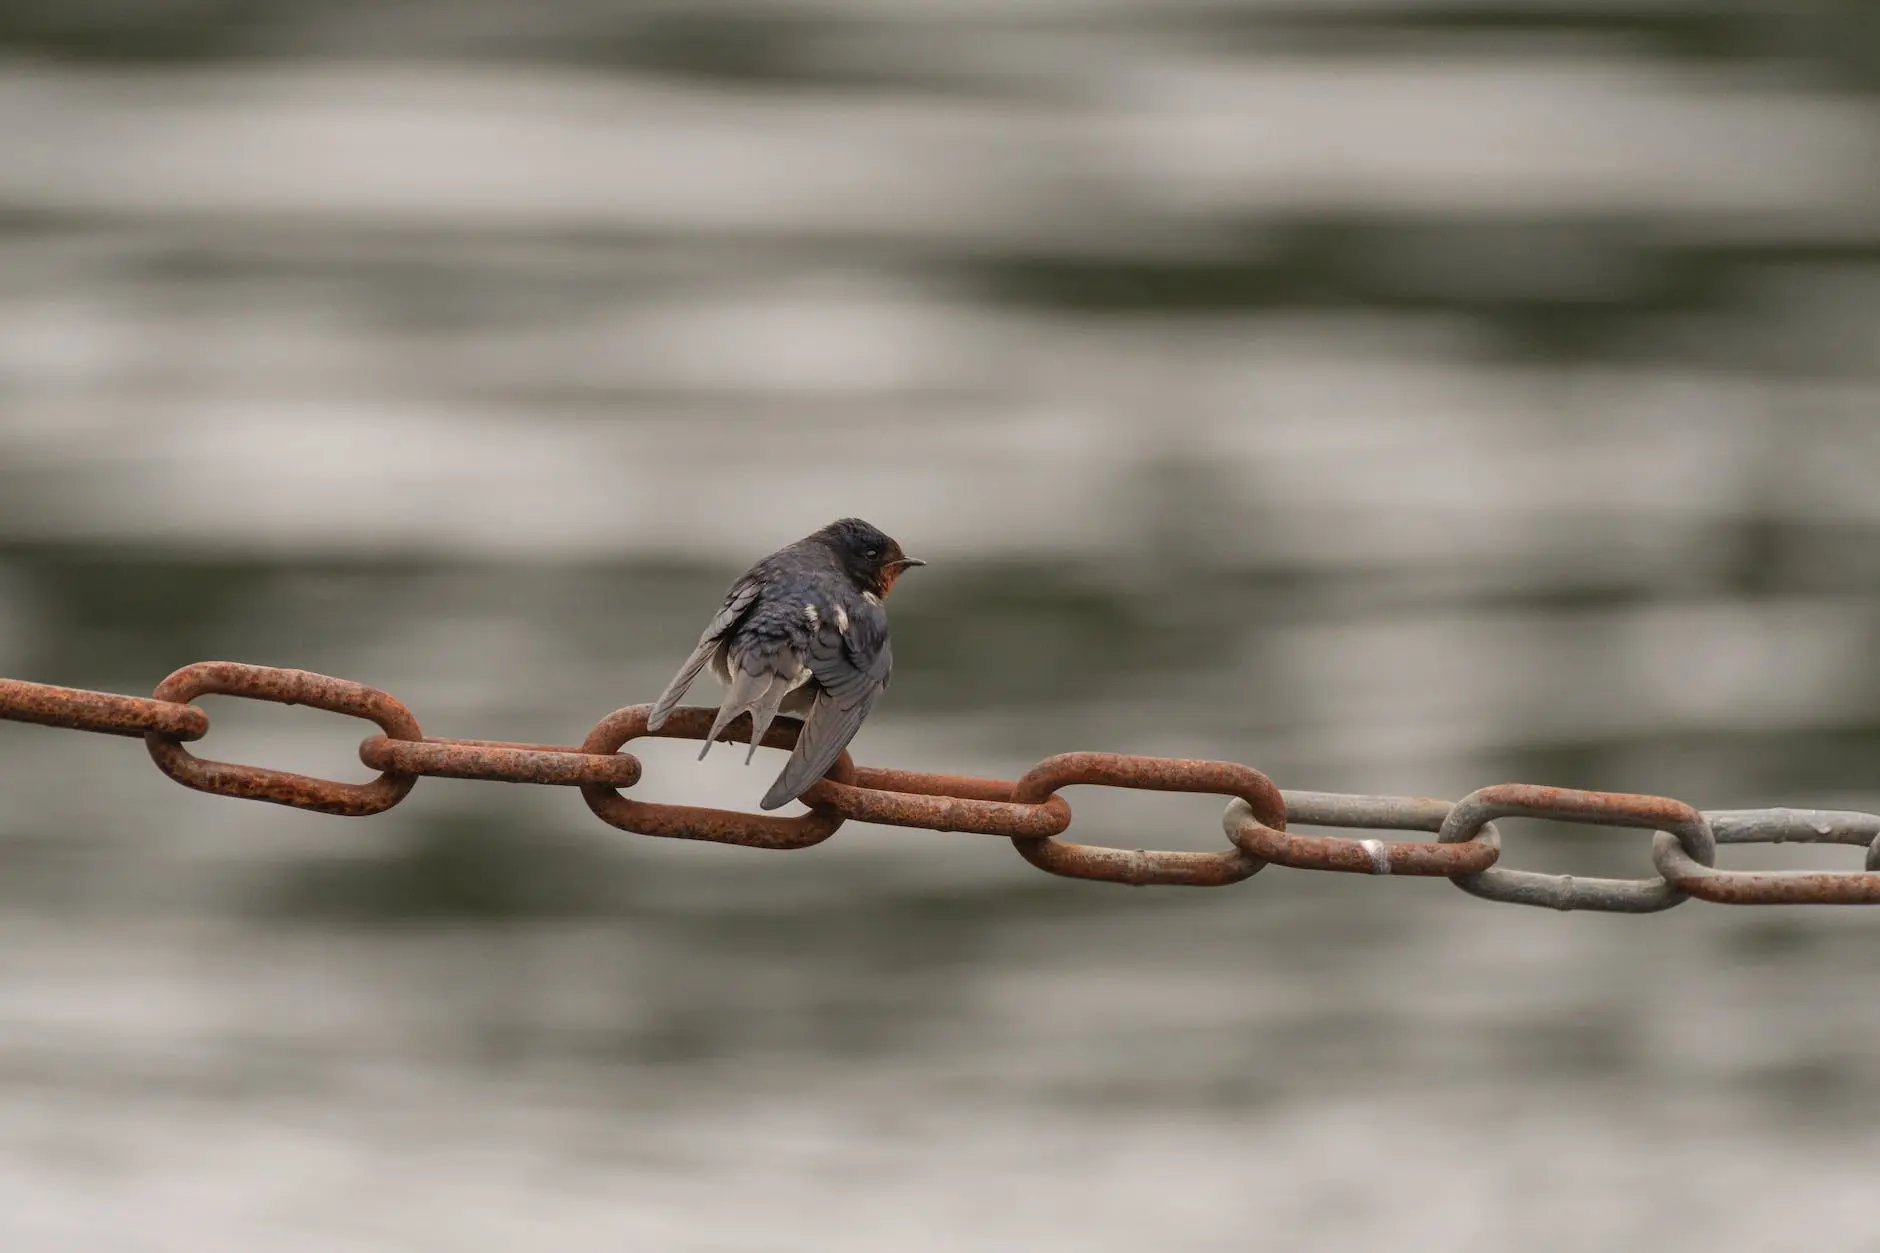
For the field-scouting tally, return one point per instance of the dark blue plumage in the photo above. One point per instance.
(802, 630)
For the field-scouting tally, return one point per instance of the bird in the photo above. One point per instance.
(802, 631)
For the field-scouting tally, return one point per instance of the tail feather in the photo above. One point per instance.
(764, 712)
(747, 692)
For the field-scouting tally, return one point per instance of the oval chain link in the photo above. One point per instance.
(282, 787)
(1473, 813)
(1144, 867)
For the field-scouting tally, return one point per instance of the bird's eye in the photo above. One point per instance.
(872, 553)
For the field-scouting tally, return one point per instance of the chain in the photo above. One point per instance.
(1027, 811)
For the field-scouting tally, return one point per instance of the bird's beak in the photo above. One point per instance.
(904, 563)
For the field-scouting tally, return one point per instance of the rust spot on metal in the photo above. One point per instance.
(939, 802)
(497, 761)
(281, 787)
(104, 712)
(1785, 887)
(696, 822)
(1145, 867)
(1616, 809)
(1763, 887)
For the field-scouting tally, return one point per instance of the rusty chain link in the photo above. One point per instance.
(1027, 811)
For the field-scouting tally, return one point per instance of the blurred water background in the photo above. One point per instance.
(1396, 395)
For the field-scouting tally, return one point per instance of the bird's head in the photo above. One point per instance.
(872, 559)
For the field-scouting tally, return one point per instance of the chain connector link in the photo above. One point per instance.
(695, 822)
(1377, 813)
(1557, 891)
(1143, 867)
(939, 802)
(497, 761)
(1778, 887)
(281, 787)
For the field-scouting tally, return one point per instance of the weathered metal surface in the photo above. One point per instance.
(1143, 867)
(106, 713)
(1793, 826)
(1028, 811)
(1380, 813)
(695, 822)
(939, 802)
(281, 787)
(1558, 891)
(1778, 887)
(496, 761)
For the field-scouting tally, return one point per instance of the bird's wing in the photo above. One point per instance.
(738, 602)
(851, 667)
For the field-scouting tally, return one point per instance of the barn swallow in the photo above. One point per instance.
(802, 630)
